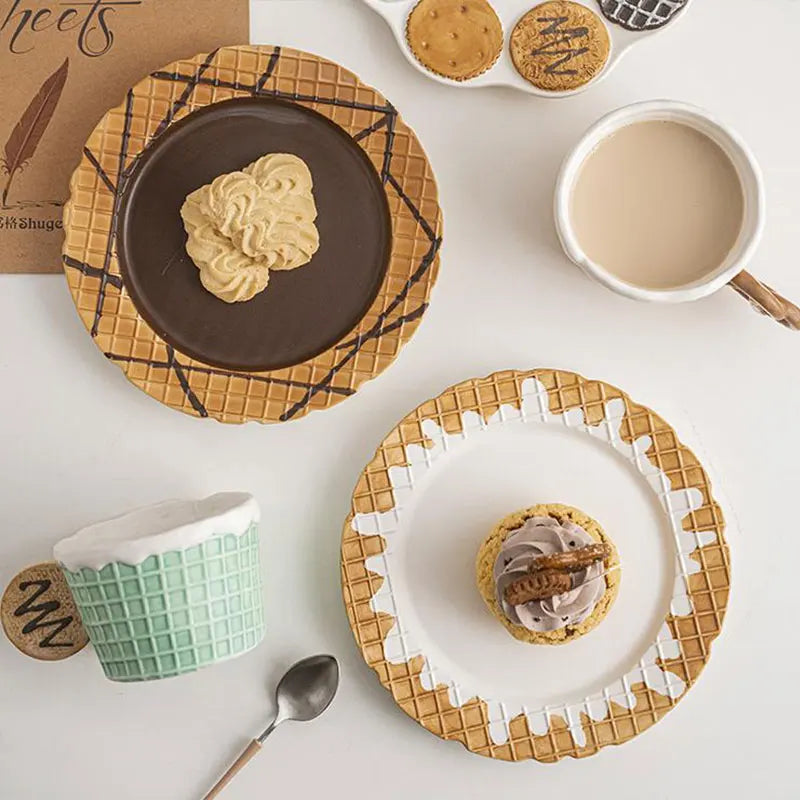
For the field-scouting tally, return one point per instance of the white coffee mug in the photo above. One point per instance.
(732, 270)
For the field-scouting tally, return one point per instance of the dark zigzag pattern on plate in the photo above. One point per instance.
(375, 332)
(238, 86)
(345, 391)
(181, 102)
(376, 126)
(112, 234)
(123, 172)
(273, 62)
(92, 272)
(99, 170)
(378, 328)
(184, 384)
(386, 121)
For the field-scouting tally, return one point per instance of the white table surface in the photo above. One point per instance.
(78, 443)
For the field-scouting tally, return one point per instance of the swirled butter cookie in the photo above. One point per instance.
(458, 39)
(244, 224)
(548, 573)
(560, 45)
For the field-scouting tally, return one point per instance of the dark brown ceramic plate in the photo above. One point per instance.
(302, 312)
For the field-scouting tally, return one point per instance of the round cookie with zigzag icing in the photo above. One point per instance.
(39, 615)
(560, 46)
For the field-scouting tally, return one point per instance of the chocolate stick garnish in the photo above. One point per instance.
(551, 575)
(538, 586)
(573, 560)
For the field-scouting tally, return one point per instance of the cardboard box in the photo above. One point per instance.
(63, 64)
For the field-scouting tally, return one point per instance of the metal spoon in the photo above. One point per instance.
(303, 693)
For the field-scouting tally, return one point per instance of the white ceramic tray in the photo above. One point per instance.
(503, 73)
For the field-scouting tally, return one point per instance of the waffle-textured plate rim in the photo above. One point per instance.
(697, 610)
(90, 217)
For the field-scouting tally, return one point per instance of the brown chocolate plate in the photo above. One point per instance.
(317, 333)
(295, 318)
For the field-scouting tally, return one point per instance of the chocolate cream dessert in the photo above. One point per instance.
(548, 573)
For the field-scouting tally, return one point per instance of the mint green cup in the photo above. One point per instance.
(171, 588)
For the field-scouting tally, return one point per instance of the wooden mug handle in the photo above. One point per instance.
(767, 300)
(237, 765)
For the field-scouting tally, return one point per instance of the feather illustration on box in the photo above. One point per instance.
(28, 132)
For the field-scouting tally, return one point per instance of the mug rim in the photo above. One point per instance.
(734, 147)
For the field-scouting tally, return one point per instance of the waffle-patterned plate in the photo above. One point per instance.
(121, 150)
(437, 485)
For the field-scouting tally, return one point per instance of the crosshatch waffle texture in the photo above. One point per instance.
(175, 612)
(489, 726)
(641, 15)
(90, 218)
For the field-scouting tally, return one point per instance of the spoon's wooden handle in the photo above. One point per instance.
(237, 765)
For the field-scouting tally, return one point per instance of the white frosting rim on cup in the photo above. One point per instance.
(157, 529)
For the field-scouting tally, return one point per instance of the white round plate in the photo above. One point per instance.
(438, 484)
(503, 72)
